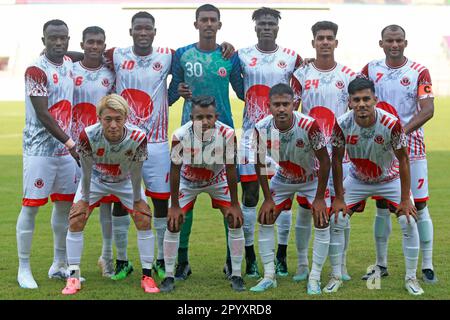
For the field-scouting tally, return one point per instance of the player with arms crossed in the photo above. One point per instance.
(112, 154)
(263, 66)
(93, 80)
(406, 85)
(48, 168)
(204, 160)
(376, 145)
(294, 141)
(323, 93)
(202, 69)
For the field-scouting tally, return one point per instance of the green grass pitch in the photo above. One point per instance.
(207, 245)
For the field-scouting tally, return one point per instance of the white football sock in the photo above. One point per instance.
(146, 245)
(410, 245)
(106, 223)
(24, 234)
(75, 243)
(120, 226)
(346, 243)
(249, 215)
(337, 239)
(266, 242)
(60, 225)
(320, 251)
(303, 227)
(236, 243)
(171, 243)
(425, 228)
(284, 226)
(382, 228)
(160, 226)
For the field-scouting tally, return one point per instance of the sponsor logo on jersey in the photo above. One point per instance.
(100, 152)
(300, 143)
(39, 183)
(282, 64)
(222, 72)
(405, 81)
(379, 139)
(157, 66)
(105, 83)
(340, 84)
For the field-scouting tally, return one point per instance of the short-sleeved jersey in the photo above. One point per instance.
(46, 79)
(203, 161)
(324, 94)
(142, 81)
(90, 86)
(403, 87)
(206, 73)
(293, 149)
(371, 150)
(112, 161)
(262, 70)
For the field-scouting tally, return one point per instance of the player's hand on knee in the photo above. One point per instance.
(319, 211)
(267, 212)
(142, 207)
(407, 208)
(184, 90)
(234, 216)
(81, 208)
(175, 218)
(227, 50)
(338, 205)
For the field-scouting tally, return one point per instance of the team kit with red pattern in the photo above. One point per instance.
(96, 128)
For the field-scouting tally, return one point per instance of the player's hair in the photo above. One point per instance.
(203, 101)
(279, 89)
(392, 27)
(206, 7)
(93, 30)
(324, 25)
(144, 15)
(115, 102)
(359, 84)
(54, 22)
(266, 11)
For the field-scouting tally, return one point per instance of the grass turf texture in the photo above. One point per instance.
(207, 245)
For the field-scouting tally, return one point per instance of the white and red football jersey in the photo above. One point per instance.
(324, 94)
(371, 150)
(46, 79)
(293, 149)
(262, 70)
(403, 87)
(112, 162)
(91, 85)
(204, 161)
(141, 80)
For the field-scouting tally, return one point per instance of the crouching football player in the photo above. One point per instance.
(112, 152)
(204, 161)
(379, 166)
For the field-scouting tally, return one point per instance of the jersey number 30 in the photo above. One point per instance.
(194, 69)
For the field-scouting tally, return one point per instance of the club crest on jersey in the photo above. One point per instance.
(100, 152)
(157, 66)
(222, 72)
(281, 64)
(405, 81)
(300, 143)
(379, 139)
(340, 84)
(105, 83)
(39, 183)
(129, 153)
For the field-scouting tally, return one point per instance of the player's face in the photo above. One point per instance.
(208, 24)
(324, 42)
(393, 44)
(56, 41)
(93, 45)
(204, 117)
(143, 32)
(112, 123)
(282, 108)
(266, 28)
(363, 103)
